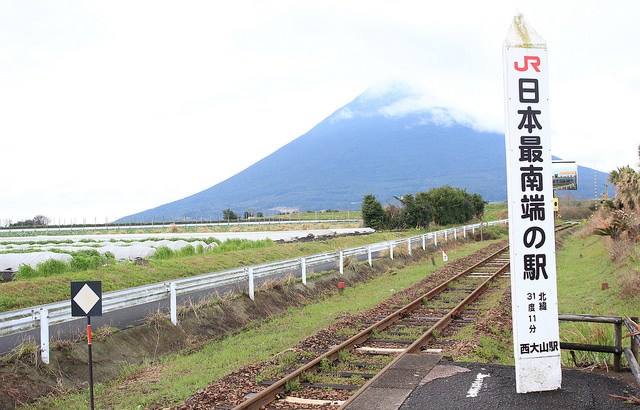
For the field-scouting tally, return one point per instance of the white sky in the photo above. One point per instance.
(108, 108)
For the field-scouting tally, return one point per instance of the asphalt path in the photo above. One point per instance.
(476, 386)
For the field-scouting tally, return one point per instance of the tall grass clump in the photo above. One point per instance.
(88, 259)
(163, 252)
(26, 272)
(51, 267)
(188, 250)
(241, 244)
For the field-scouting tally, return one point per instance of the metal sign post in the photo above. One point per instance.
(86, 300)
(536, 334)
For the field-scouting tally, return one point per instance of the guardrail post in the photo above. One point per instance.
(391, 250)
(341, 262)
(409, 245)
(303, 270)
(369, 256)
(455, 234)
(44, 335)
(445, 236)
(435, 239)
(173, 303)
(251, 289)
(424, 242)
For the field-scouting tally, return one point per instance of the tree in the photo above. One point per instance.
(40, 220)
(229, 215)
(372, 212)
(627, 183)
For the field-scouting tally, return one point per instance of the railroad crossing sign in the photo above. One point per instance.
(86, 298)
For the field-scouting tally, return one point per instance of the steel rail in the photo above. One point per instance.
(273, 391)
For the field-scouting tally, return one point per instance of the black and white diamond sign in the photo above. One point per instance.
(86, 298)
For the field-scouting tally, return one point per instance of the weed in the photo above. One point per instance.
(61, 345)
(27, 352)
(592, 334)
(345, 356)
(163, 252)
(188, 250)
(104, 332)
(326, 365)
(86, 259)
(155, 319)
(51, 267)
(292, 385)
(630, 284)
(287, 359)
(309, 377)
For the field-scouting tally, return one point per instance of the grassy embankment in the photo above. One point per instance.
(177, 376)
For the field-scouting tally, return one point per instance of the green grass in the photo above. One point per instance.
(495, 211)
(183, 375)
(584, 266)
(41, 289)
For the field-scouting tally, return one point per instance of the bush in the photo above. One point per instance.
(630, 284)
(51, 267)
(26, 272)
(163, 252)
(188, 250)
(492, 232)
(84, 260)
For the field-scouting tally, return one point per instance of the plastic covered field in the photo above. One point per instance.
(33, 254)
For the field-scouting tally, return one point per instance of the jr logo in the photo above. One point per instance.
(533, 60)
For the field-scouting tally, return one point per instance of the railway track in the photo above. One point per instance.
(327, 379)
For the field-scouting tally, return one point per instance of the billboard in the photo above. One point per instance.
(565, 175)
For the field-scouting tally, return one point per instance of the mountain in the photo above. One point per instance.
(378, 144)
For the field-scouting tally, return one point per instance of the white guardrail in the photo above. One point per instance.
(44, 316)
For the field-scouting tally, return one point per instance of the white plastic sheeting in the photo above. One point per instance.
(13, 261)
(120, 249)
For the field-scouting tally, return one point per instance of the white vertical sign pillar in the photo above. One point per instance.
(409, 246)
(369, 258)
(424, 242)
(391, 250)
(341, 262)
(530, 201)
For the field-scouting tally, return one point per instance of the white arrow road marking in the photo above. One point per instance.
(476, 385)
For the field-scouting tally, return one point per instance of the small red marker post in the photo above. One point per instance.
(341, 287)
(91, 397)
(86, 300)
